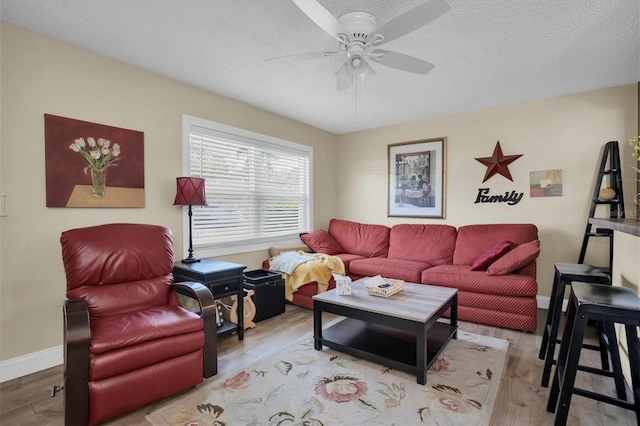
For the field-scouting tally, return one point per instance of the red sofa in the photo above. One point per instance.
(492, 265)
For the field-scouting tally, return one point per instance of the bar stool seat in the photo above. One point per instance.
(565, 274)
(610, 304)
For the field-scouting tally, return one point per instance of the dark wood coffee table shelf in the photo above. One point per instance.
(405, 331)
(385, 345)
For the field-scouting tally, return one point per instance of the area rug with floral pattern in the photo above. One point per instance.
(300, 385)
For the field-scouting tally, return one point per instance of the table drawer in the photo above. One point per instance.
(225, 287)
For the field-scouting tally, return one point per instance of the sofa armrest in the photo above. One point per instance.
(276, 250)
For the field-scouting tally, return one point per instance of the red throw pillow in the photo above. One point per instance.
(490, 256)
(517, 258)
(321, 242)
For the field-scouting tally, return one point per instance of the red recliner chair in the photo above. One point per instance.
(127, 340)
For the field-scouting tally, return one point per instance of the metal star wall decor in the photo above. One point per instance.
(498, 163)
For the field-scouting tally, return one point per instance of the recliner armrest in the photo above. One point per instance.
(207, 304)
(77, 336)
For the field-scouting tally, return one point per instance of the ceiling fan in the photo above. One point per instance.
(359, 37)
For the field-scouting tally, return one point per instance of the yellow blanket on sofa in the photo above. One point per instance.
(300, 268)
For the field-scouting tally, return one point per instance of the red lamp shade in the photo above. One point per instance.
(190, 192)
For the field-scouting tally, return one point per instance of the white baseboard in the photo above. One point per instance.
(37, 361)
(543, 303)
(31, 363)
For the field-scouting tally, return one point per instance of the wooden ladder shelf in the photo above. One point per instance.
(609, 166)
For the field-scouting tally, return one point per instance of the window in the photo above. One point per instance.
(258, 188)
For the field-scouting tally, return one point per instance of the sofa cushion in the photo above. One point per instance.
(346, 260)
(464, 279)
(473, 240)
(400, 269)
(524, 320)
(432, 244)
(497, 302)
(490, 256)
(520, 256)
(359, 238)
(321, 242)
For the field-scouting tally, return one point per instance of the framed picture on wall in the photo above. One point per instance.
(92, 165)
(417, 178)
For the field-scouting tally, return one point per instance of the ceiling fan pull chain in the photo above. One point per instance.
(355, 109)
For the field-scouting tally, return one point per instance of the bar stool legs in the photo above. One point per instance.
(550, 336)
(555, 303)
(564, 274)
(610, 305)
(572, 337)
(614, 350)
(634, 353)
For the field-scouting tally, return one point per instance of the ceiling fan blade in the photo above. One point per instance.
(411, 20)
(301, 57)
(404, 62)
(321, 16)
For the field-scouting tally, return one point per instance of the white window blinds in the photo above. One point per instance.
(258, 188)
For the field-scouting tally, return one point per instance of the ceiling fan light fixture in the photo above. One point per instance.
(356, 64)
(359, 38)
(367, 73)
(343, 73)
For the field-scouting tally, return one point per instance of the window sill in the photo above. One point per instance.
(202, 252)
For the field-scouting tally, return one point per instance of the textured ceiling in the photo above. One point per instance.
(486, 52)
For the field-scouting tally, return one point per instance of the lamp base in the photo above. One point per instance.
(190, 260)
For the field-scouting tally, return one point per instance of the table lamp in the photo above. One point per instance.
(190, 192)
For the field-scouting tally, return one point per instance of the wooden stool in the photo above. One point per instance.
(565, 274)
(610, 304)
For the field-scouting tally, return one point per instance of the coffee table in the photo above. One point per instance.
(405, 331)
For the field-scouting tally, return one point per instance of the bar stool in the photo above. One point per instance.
(610, 304)
(565, 274)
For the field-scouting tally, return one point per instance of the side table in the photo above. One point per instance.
(223, 279)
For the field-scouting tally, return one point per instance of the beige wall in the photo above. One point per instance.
(565, 133)
(626, 273)
(40, 75)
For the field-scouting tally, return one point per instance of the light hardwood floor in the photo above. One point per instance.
(520, 401)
